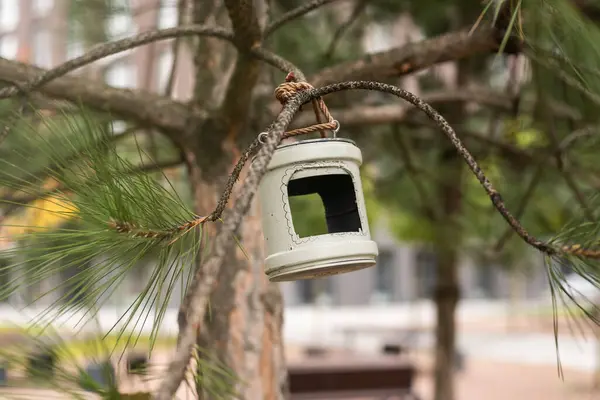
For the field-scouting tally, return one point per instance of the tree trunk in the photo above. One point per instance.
(447, 243)
(446, 294)
(243, 325)
(513, 317)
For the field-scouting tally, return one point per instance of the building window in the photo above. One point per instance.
(165, 62)
(167, 15)
(74, 287)
(426, 265)
(9, 46)
(315, 291)
(4, 277)
(384, 280)
(75, 49)
(9, 15)
(118, 127)
(75, 44)
(378, 37)
(121, 74)
(485, 281)
(42, 49)
(120, 24)
(41, 8)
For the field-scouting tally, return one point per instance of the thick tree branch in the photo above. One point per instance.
(142, 107)
(278, 62)
(208, 55)
(367, 115)
(110, 48)
(400, 113)
(247, 36)
(175, 50)
(411, 57)
(246, 29)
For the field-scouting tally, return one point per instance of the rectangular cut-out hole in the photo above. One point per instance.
(323, 204)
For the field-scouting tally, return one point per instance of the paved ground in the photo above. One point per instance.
(507, 358)
(489, 380)
(481, 380)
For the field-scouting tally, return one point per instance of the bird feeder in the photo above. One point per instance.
(330, 168)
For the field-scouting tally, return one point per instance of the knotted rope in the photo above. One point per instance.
(287, 90)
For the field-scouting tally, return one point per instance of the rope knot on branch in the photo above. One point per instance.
(290, 88)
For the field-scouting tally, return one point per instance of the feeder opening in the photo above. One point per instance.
(323, 204)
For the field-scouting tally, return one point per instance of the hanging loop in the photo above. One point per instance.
(337, 128)
(262, 137)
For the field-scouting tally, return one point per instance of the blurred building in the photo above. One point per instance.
(40, 32)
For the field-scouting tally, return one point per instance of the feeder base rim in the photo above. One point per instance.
(319, 261)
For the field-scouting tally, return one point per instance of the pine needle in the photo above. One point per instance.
(94, 222)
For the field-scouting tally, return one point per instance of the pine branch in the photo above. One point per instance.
(246, 30)
(554, 67)
(38, 177)
(359, 8)
(175, 51)
(13, 119)
(278, 62)
(527, 196)
(110, 48)
(294, 14)
(566, 174)
(15, 203)
(387, 114)
(208, 55)
(406, 154)
(201, 286)
(128, 104)
(411, 57)
(195, 302)
(142, 107)
(394, 113)
(238, 96)
(118, 216)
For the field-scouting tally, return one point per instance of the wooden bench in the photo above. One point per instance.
(351, 376)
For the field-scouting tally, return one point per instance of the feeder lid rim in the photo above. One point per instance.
(320, 140)
(309, 141)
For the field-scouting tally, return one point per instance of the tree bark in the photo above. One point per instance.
(446, 294)
(447, 243)
(243, 325)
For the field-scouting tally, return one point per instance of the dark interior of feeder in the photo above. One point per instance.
(331, 197)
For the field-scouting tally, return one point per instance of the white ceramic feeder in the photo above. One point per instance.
(329, 168)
